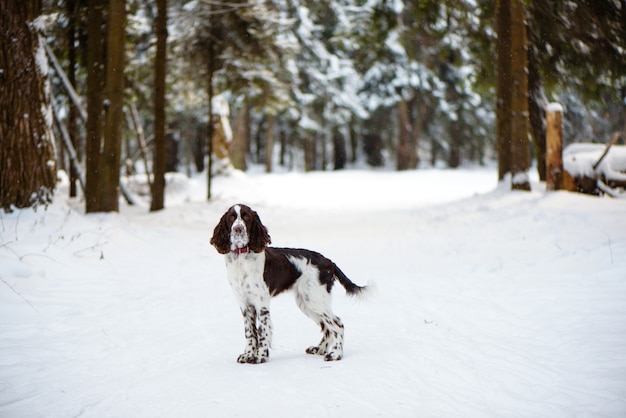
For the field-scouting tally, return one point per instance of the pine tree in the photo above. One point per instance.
(160, 65)
(27, 165)
(520, 145)
(105, 95)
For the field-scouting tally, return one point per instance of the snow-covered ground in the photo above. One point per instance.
(488, 303)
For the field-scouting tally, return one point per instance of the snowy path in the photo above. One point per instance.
(494, 304)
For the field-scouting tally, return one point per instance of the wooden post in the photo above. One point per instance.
(554, 147)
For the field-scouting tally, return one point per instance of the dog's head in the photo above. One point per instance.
(240, 227)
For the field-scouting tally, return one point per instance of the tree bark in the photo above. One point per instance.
(269, 142)
(404, 139)
(520, 145)
(110, 162)
(95, 91)
(423, 114)
(537, 112)
(503, 88)
(309, 152)
(160, 65)
(241, 137)
(27, 165)
(72, 126)
(210, 71)
(339, 148)
(554, 148)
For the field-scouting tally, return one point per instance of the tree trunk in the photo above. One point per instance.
(420, 121)
(210, 71)
(309, 152)
(269, 143)
(354, 143)
(241, 138)
(537, 120)
(404, 138)
(520, 146)
(110, 159)
(95, 92)
(72, 126)
(503, 88)
(339, 147)
(27, 166)
(160, 66)
(454, 155)
(554, 152)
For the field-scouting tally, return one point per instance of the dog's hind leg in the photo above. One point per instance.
(332, 341)
(313, 299)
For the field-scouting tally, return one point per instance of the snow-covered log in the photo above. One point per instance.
(585, 164)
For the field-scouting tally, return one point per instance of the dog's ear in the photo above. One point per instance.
(221, 235)
(259, 236)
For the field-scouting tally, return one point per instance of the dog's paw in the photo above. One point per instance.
(251, 358)
(315, 350)
(333, 356)
(247, 358)
(262, 356)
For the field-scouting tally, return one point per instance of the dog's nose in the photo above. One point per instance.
(237, 229)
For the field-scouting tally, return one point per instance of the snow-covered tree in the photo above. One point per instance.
(325, 80)
(420, 65)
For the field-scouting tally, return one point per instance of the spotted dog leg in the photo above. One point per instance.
(264, 335)
(249, 320)
(332, 340)
(331, 346)
(322, 348)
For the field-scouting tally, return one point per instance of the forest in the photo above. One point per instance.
(106, 89)
(409, 141)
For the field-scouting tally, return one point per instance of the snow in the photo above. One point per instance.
(489, 303)
(520, 178)
(579, 159)
(554, 107)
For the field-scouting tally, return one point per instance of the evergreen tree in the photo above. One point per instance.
(160, 66)
(27, 165)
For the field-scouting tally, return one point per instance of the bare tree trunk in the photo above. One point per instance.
(95, 92)
(309, 152)
(503, 89)
(160, 65)
(210, 71)
(354, 143)
(404, 139)
(454, 155)
(520, 133)
(537, 113)
(424, 113)
(110, 159)
(27, 166)
(72, 126)
(554, 147)
(339, 147)
(241, 138)
(269, 143)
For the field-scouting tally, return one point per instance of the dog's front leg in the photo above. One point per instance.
(249, 321)
(264, 335)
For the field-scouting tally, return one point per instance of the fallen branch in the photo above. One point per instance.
(66, 82)
(19, 294)
(606, 150)
(68, 145)
(609, 191)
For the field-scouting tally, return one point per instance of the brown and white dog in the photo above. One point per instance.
(257, 272)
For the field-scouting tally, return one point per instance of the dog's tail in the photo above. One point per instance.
(352, 289)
